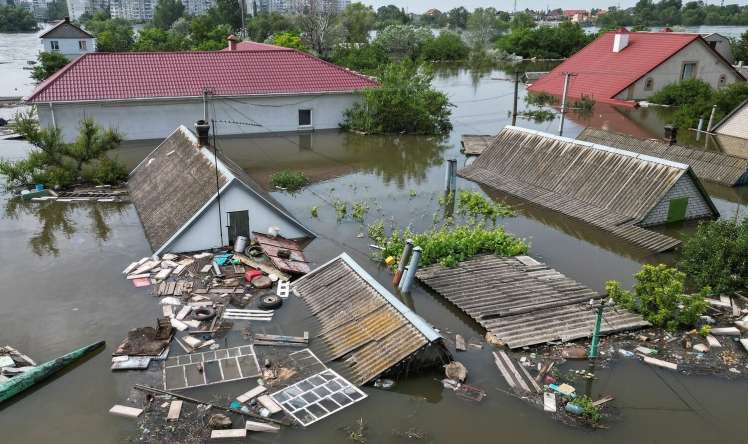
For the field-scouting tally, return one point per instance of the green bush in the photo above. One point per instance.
(659, 297)
(365, 58)
(448, 245)
(16, 19)
(49, 63)
(405, 102)
(590, 411)
(682, 93)
(716, 256)
(448, 46)
(289, 180)
(473, 204)
(544, 41)
(695, 99)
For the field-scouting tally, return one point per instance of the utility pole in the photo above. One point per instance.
(567, 77)
(598, 306)
(516, 93)
(243, 31)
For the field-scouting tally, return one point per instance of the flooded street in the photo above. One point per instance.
(62, 288)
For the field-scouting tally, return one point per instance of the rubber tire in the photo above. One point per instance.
(270, 302)
(204, 313)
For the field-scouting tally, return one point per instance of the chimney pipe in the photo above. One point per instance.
(232, 42)
(671, 134)
(203, 129)
(620, 39)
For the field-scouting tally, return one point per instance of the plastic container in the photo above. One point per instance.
(240, 244)
(40, 187)
(273, 231)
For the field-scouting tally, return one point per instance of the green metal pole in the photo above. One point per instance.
(596, 334)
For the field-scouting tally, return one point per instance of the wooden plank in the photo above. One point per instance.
(175, 409)
(279, 338)
(228, 433)
(125, 411)
(603, 400)
(255, 426)
(255, 392)
(269, 404)
(513, 371)
(534, 384)
(460, 343)
(260, 266)
(658, 362)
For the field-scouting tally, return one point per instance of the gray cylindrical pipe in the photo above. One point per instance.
(412, 268)
(403, 261)
(700, 128)
(450, 176)
(711, 119)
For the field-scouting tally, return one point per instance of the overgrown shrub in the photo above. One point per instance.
(590, 411)
(365, 58)
(545, 41)
(659, 297)
(716, 256)
(473, 204)
(58, 164)
(405, 102)
(289, 180)
(49, 63)
(448, 46)
(448, 245)
(695, 99)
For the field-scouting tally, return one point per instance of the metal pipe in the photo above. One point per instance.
(699, 128)
(709, 126)
(450, 176)
(403, 260)
(412, 268)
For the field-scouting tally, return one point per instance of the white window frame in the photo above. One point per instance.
(83, 45)
(311, 117)
(693, 72)
(54, 45)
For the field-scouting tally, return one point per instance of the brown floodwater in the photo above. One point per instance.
(62, 288)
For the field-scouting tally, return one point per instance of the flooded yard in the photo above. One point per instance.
(62, 288)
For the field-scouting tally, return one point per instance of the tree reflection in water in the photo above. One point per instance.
(62, 218)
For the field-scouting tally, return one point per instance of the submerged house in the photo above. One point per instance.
(68, 39)
(622, 67)
(246, 89)
(365, 327)
(191, 197)
(620, 192)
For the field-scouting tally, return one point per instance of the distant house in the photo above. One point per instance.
(721, 44)
(735, 124)
(577, 15)
(261, 89)
(68, 39)
(619, 192)
(180, 187)
(622, 67)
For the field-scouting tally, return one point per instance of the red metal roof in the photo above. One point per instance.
(602, 73)
(124, 76)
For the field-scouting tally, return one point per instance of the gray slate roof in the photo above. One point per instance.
(609, 188)
(65, 30)
(708, 165)
(361, 321)
(522, 301)
(178, 179)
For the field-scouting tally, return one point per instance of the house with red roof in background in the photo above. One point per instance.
(247, 88)
(622, 67)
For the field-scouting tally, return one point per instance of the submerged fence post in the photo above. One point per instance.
(403, 260)
(450, 178)
(412, 268)
(699, 128)
(711, 119)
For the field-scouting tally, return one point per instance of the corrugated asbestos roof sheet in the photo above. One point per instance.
(522, 301)
(606, 187)
(177, 179)
(708, 165)
(362, 323)
(151, 75)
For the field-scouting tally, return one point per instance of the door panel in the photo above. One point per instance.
(238, 225)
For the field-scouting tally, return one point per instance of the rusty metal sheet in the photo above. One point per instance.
(295, 264)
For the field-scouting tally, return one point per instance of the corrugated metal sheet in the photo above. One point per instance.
(708, 165)
(360, 323)
(523, 301)
(606, 187)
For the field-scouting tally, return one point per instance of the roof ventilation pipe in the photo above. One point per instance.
(232, 42)
(203, 130)
(621, 40)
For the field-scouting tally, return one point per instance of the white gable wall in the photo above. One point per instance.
(70, 48)
(736, 125)
(203, 233)
(156, 119)
(683, 187)
(709, 68)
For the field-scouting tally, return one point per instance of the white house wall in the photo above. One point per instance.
(203, 232)
(69, 47)
(709, 68)
(684, 187)
(157, 119)
(736, 125)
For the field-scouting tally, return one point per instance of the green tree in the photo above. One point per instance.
(228, 12)
(49, 63)
(403, 40)
(458, 18)
(156, 39)
(206, 35)
(483, 27)
(522, 20)
(544, 41)
(16, 19)
(57, 10)
(404, 103)
(365, 58)
(695, 98)
(264, 25)
(447, 46)
(112, 35)
(391, 15)
(716, 256)
(58, 164)
(166, 13)
(358, 20)
(659, 297)
(740, 48)
(289, 40)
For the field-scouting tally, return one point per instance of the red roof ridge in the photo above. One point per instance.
(338, 67)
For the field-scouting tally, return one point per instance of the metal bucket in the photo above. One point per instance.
(240, 244)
